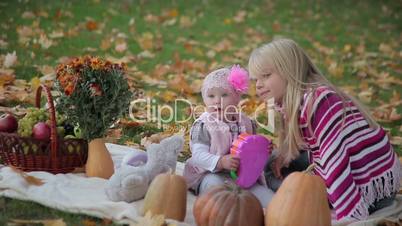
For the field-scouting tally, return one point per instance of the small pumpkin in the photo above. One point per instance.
(228, 205)
(167, 195)
(301, 200)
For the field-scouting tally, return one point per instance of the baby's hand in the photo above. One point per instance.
(276, 166)
(229, 162)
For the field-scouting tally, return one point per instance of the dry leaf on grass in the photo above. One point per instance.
(149, 220)
(56, 222)
(395, 140)
(6, 77)
(31, 180)
(10, 59)
(88, 222)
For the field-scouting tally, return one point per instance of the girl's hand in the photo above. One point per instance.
(229, 162)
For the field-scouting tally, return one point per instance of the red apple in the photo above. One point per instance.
(41, 131)
(8, 123)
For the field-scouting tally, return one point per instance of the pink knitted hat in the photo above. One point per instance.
(234, 79)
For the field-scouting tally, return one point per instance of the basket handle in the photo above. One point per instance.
(52, 113)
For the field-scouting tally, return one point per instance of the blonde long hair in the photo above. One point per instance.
(296, 68)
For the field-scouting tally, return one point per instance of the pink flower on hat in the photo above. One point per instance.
(238, 77)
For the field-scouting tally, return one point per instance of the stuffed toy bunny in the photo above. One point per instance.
(130, 183)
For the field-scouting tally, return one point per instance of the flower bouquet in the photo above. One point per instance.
(94, 93)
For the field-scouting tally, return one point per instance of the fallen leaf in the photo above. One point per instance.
(6, 77)
(146, 41)
(395, 140)
(211, 54)
(10, 59)
(347, 48)
(323, 49)
(28, 15)
(335, 69)
(105, 44)
(91, 25)
(366, 95)
(129, 123)
(31, 180)
(56, 222)
(121, 47)
(385, 48)
(150, 220)
(88, 222)
(150, 18)
(35, 83)
(171, 13)
(185, 22)
(227, 21)
(3, 44)
(223, 45)
(146, 54)
(276, 26)
(44, 42)
(240, 16)
(56, 34)
(168, 96)
(46, 70)
(394, 116)
(180, 84)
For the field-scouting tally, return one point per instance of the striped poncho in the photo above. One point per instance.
(356, 162)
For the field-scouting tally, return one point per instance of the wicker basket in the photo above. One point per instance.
(54, 156)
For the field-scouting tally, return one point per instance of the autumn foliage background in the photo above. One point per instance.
(169, 46)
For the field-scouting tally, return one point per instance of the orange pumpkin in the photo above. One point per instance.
(301, 200)
(228, 205)
(167, 195)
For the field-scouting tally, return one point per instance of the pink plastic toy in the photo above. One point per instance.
(253, 153)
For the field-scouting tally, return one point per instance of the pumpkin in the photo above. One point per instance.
(167, 195)
(228, 205)
(301, 200)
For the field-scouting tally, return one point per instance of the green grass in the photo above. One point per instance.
(333, 25)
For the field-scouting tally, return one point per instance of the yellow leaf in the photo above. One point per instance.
(105, 44)
(396, 140)
(347, 48)
(172, 13)
(180, 84)
(88, 222)
(169, 96)
(150, 220)
(146, 41)
(395, 97)
(366, 96)
(227, 21)
(385, 48)
(35, 83)
(185, 22)
(335, 69)
(196, 85)
(6, 77)
(56, 222)
(29, 179)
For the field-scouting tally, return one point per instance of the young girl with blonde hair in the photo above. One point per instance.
(352, 153)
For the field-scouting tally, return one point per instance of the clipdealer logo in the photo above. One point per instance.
(164, 114)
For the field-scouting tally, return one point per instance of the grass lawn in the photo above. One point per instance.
(357, 44)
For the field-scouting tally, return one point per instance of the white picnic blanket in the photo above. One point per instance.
(76, 193)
